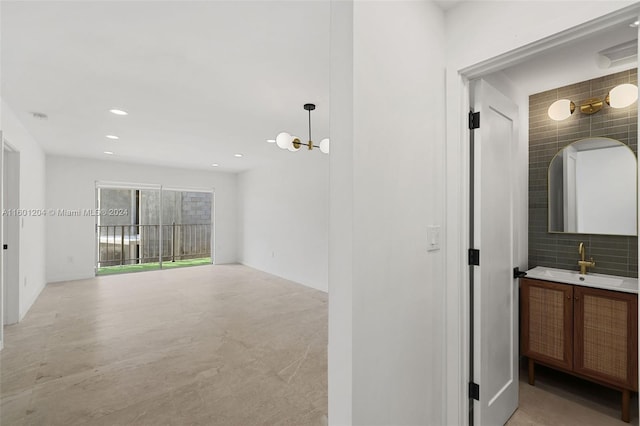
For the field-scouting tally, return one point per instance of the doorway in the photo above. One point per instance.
(498, 69)
(11, 221)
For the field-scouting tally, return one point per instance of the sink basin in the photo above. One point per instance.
(608, 282)
(575, 277)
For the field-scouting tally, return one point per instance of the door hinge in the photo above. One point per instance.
(474, 120)
(474, 391)
(474, 257)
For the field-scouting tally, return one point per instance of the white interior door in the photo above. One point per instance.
(11, 236)
(495, 315)
(2, 297)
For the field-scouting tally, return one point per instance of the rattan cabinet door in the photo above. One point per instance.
(547, 322)
(605, 336)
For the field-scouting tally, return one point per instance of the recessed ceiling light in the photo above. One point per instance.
(114, 137)
(118, 112)
(215, 165)
(271, 140)
(108, 152)
(237, 155)
(635, 24)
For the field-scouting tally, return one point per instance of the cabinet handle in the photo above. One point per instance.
(576, 298)
(569, 297)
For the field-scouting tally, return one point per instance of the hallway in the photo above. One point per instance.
(209, 345)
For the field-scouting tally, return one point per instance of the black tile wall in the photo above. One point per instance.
(615, 255)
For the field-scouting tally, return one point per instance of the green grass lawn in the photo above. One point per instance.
(123, 269)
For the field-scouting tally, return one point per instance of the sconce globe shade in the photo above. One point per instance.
(291, 147)
(283, 140)
(623, 95)
(560, 110)
(324, 145)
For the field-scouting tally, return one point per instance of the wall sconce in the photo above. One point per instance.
(285, 141)
(620, 96)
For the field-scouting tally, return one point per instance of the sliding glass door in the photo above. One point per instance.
(127, 240)
(187, 226)
(140, 228)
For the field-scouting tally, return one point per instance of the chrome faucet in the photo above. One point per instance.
(584, 264)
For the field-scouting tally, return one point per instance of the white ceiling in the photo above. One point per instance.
(201, 80)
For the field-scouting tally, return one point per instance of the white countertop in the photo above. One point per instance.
(606, 282)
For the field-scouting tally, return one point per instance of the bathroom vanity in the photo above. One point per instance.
(586, 325)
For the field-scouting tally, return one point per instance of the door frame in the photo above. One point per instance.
(456, 377)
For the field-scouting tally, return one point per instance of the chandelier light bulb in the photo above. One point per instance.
(324, 145)
(283, 140)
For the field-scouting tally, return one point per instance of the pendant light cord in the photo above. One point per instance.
(309, 125)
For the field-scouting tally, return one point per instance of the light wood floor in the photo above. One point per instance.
(208, 345)
(559, 399)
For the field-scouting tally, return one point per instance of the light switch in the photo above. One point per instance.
(433, 237)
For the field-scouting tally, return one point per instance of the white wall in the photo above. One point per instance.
(32, 196)
(283, 225)
(71, 185)
(387, 120)
(477, 32)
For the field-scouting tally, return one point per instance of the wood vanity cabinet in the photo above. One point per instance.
(546, 329)
(591, 333)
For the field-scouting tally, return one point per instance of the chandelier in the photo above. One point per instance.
(292, 143)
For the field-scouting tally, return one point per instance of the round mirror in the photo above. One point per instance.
(593, 188)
